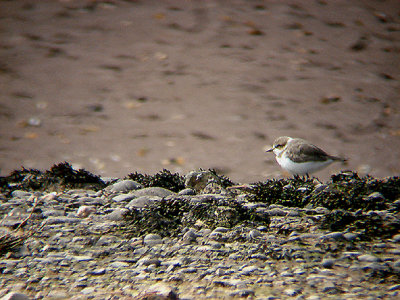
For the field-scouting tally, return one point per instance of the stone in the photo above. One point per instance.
(368, 258)
(187, 192)
(327, 263)
(117, 214)
(15, 296)
(61, 220)
(160, 291)
(198, 180)
(124, 186)
(142, 201)
(119, 264)
(190, 236)
(396, 238)
(84, 211)
(20, 194)
(333, 236)
(123, 197)
(154, 191)
(249, 269)
(152, 239)
(98, 271)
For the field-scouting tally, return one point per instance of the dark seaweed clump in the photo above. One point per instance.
(60, 176)
(165, 179)
(345, 191)
(288, 192)
(349, 191)
(169, 216)
(222, 180)
(10, 242)
(367, 225)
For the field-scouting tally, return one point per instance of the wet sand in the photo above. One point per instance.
(122, 86)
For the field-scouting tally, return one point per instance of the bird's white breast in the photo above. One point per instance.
(301, 168)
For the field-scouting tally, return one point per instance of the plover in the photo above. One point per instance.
(299, 157)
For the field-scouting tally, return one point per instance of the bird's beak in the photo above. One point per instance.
(270, 150)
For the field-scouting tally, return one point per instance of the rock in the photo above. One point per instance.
(243, 293)
(368, 258)
(333, 236)
(98, 271)
(276, 212)
(84, 211)
(187, 192)
(254, 234)
(117, 214)
(375, 196)
(396, 238)
(159, 291)
(119, 264)
(350, 236)
(249, 269)
(395, 287)
(88, 290)
(53, 213)
(123, 197)
(152, 239)
(142, 201)
(20, 194)
(57, 294)
(15, 296)
(154, 191)
(198, 180)
(327, 263)
(291, 292)
(124, 186)
(61, 220)
(190, 236)
(396, 264)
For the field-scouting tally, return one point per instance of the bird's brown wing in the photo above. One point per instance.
(302, 152)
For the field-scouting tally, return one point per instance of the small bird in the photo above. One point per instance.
(299, 157)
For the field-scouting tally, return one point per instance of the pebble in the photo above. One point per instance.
(142, 201)
(15, 296)
(368, 258)
(123, 197)
(93, 258)
(333, 236)
(396, 238)
(152, 239)
(327, 263)
(124, 186)
(153, 191)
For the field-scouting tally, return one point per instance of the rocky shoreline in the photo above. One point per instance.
(202, 238)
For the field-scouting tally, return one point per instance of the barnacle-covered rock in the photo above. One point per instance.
(207, 181)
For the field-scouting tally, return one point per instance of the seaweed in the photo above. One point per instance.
(368, 225)
(9, 242)
(344, 191)
(165, 179)
(222, 180)
(169, 216)
(287, 192)
(349, 191)
(60, 176)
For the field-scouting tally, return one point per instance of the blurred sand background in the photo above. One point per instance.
(121, 86)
